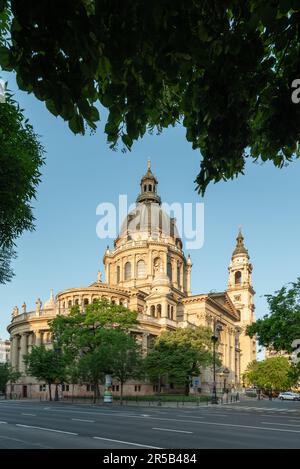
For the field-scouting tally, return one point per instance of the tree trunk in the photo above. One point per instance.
(159, 384)
(187, 388)
(56, 392)
(50, 395)
(95, 393)
(121, 392)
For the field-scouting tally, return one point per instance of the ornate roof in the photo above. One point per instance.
(240, 247)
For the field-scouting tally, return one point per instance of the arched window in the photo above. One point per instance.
(152, 311)
(70, 303)
(77, 302)
(127, 270)
(121, 302)
(169, 269)
(172, 312)
(94, 300)
(118, 274)
(145, 187)
(150, 187)
(141, 269)
(158, 311)
(169, 314)
(238, 277)
(85, 301)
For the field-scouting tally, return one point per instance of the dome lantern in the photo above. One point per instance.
(148, 188)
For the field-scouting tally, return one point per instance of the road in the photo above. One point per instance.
(252, 424)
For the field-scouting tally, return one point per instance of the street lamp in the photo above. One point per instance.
(214, 339)
(226, 372)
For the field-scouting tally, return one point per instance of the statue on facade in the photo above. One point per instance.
(38, 305)
(15, 311)
(99, 275)
(24, 307)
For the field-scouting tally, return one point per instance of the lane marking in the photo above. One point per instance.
(1, 423)
(84, 420)
(33, 415)
(195, 416)
(170, 430)
(283, 424)
(125, 442)
(46, 429)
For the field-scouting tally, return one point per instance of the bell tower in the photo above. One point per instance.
(241, 293)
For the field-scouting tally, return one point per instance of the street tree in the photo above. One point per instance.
(47, 365)
(125, 358)
(272, 374)
(7, 375)
(179, 355)
(281, 326)
(224, 70)
(21, 159)
(87, 337)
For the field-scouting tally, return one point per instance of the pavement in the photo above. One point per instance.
(248, 424)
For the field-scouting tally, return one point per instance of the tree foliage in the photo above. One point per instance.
(95, 338)
(7, 374)
(178, 356)
(222, 68)
(21, 157)
(125, 358)
(47, 365)
(6, 256)
(281, 326)
(274, 373)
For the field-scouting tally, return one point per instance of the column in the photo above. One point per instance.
(150, 266)
(30, 342)
(164, 309)
(181, 276)
(108, 274)
(23, 351)
(37, 338)
(165, 258)
(133, 267)
(174, 273)
(188, 282)
(145, 342)
(14, 352)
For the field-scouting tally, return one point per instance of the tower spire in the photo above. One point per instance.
(240, 247)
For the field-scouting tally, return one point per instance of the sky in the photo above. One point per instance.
(81, 172)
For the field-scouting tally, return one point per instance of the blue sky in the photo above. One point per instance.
(81, 172)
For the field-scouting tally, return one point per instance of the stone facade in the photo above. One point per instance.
(147, 271)
(4, 351)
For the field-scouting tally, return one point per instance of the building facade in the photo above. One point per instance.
(148, 272)
(4, 351)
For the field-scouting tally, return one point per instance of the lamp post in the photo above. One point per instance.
(214, 339)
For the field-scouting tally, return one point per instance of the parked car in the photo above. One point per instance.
(289, 396)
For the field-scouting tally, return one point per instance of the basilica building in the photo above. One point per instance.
(148, 272)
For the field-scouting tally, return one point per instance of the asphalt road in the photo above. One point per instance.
(253, 424)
